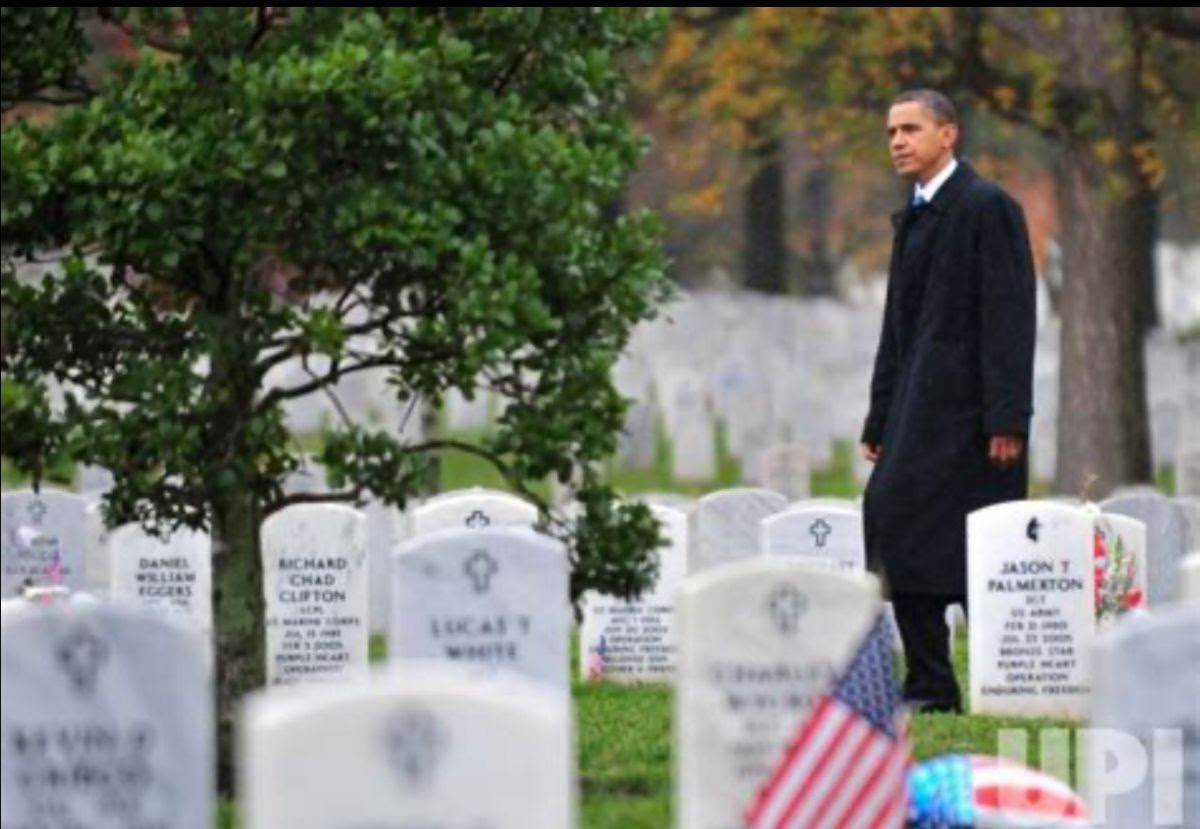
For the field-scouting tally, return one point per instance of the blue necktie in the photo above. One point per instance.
(919, 200)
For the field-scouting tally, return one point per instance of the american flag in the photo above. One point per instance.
(847, 765)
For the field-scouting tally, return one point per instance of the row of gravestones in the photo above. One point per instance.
(801, 374)
(316, 574)
(106, 718)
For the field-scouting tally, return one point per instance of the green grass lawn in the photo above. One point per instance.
(624, 744)
(625, 748)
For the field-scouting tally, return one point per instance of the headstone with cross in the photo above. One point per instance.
(475, 508)
(42, 541)
(172, 574)
(759, 641)
(634, 641)
(106, 719)
(429, 746)
(494, 598)
(827, 534)
(1032, 590)
(315, 577)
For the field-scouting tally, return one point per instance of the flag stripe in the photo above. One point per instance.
(847, 763)
(785, 767)
(882, 789)
(866, 765)
(801, 802)
(827, 720)
(864, 793)
(833, 778)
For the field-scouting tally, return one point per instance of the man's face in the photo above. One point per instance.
(918, 144)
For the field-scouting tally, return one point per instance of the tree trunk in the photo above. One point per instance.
(238, 609)
(764, 252)
(816, 211)
(1102, 432)
(238, 600)
(1143, 215)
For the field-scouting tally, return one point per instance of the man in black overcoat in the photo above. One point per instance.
(951, 390)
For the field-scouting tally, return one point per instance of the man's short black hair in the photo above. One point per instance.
(938, 104)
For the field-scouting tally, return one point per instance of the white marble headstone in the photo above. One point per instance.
(1166, 537)
(786, 470)
(172, 574)
(634, 641)
(1146, 686)
(668, 499)
(94, 481)
(638, 442)
(1190, 508)
(494, 598)
(817, 533)
(315, 577)
(1189, 578)
(387, 529)
(105, 720)
(1187, 471)
(309, 477)
(43, 540)
(1030, 584)
(759, 641)
(690, 426)
(96, 564)
(427, 748)
(725, 526)
(475, 508)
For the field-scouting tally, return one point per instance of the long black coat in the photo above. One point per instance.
(954, 367)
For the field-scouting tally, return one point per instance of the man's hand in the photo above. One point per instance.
(871, 451)
(1004, 450)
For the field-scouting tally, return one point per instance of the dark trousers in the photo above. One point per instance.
(929, 680)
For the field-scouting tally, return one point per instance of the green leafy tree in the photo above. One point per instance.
(246, 187)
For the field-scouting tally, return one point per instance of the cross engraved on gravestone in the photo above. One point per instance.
(414, 742)
(81, 654)
(1032, 529)
(480, 567)
(36, 511)
(820, 531)
(786, 605)
(478, 519)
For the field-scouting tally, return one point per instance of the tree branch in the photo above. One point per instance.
(279, 395)
(981, 77)
(264, 21)
(154, 40)
(351, 496)
(478, 451)
(1024, 30)
(1172, 21)
(333, 398)
(510, 71)
(51, 100)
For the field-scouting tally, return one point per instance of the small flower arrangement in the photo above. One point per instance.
(1116, 573)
